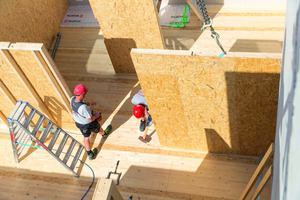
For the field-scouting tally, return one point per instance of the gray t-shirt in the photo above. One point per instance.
(139, 98)
(84, 114)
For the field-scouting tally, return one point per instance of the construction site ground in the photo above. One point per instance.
(149, 171)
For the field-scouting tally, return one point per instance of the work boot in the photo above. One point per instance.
(107, 131)
(93, 154)
(142, 125)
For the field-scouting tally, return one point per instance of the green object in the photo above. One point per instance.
(107, 131)
(93, 154)
(184, 19)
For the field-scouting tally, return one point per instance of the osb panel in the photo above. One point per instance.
(209, 104)
(10, 79)
(125, 25)
(31, 20)
(34, 73)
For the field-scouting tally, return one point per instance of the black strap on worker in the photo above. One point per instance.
(75, 106)
(207, 22)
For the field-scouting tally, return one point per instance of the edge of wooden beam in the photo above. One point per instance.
(7, 93)
(26, 46)
(4, 45)
(41, 61)
(52, 66)
(204, 54)
(3, 118)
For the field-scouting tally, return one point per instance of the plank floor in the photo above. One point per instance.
(149, 171)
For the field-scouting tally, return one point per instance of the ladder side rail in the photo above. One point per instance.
(12, 137)
(13, 112)
(13, 127)
(51, 153)
(22, 139)
(19, 133)
(70, 136)
(21, 136)
(20, 111)
(76, 157)
(257, 172)
(70, 149)
(62, 144)
(54, 138)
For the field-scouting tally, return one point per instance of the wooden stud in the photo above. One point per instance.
(52, 79)
(26, 82)
(257, 172)
(51, 64)
(193, 5)
(8, 94)
(263, 182)
(3, 118)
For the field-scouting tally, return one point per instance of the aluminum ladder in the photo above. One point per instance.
(21, 131)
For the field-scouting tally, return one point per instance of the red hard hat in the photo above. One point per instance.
(80, 89)
(138, 111)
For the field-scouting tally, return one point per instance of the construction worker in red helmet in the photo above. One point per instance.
(86, 120)
(140, 110)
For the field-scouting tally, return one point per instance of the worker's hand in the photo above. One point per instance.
(97, 114)
(88, 103)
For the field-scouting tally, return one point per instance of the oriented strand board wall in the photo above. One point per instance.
(127, 24)
(30, 66)
(225, 105)
(31, 20)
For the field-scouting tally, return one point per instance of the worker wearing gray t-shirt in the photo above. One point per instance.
(86, 120)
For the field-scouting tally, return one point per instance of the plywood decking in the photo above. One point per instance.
(147, 173)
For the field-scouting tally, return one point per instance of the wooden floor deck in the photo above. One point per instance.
(149, 171)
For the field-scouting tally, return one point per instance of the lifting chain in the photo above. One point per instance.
(207, 22)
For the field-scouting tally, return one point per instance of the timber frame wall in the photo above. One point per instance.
(29, 74)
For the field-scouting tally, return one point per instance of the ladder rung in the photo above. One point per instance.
(78, 153)
(54, 138)
(67, 156)
(29, 118)
(46, 131)
(38, 125)
(62, 144)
